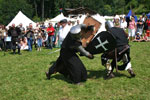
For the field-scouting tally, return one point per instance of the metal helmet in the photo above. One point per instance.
(75, 32)
(108, 25)
(75, 29)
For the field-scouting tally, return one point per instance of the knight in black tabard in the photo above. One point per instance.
(15, 34)
(122, 52)
(68, 63)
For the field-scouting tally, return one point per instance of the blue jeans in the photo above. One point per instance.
(39, 42)
(30, 40)
(50, 41)
(140, 30)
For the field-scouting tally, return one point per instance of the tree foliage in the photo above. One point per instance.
(40, 9)
(9, 8)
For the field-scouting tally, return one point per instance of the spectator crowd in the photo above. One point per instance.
(21, 38)
(138, 30)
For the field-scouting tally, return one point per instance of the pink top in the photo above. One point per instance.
(132, 25)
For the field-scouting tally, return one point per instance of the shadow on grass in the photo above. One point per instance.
(61, 77)
(94, 74)
(119, 74)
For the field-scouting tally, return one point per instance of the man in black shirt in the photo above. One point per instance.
(15, 34)
(30, 36)
(140, 25)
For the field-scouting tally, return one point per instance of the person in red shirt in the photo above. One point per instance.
(148, 23)
(50, 30)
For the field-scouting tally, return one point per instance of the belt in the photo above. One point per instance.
(125, 48)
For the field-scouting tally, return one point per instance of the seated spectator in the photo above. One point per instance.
(24, 44)
(147, 36)
(138, 38)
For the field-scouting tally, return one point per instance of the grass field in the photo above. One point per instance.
(22, 77)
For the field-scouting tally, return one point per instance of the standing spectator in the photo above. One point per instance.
(2, 35)
(50, 30)
(15, 34)
(7, 40)
(145, 24)
(123, 23)
(36, 31)
(63, 31)
(57, 43)
(21, 28)
(44, 38)
(69, 24)
(37, 26)
(30, 36)
(117, 21)
(143, 17)
(148, 23)
(131, 29)
(140, 26)
(42, 25)
(39, 40)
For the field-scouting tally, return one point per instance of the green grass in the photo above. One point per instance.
(22, 77)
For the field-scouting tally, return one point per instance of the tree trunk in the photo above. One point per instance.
(42, 10)
(35, 4)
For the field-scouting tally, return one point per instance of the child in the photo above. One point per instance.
(147, 36)
(137, 37)
(39, 40)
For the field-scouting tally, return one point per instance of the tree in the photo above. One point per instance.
(11, 7)
(50, 8)
(42, 10)
(107, 10)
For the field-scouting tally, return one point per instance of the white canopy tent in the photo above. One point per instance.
(21, 18)
(109, 17)
(56, 19)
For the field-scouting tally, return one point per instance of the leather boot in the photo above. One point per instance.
(110, 75)
(47, 75)
(130, 71)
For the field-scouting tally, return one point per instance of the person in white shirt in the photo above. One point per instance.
(63, 31)
(123, 24)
